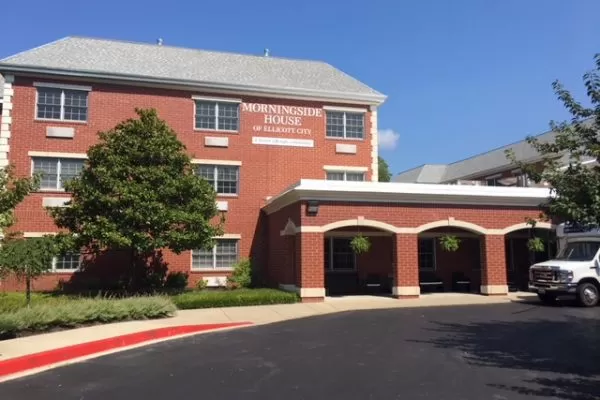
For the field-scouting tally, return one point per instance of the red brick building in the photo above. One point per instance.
(291, 148)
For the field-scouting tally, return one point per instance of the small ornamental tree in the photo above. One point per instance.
(575, 188)
(27, 258)
(12, 191)
(139, 191)
(384, 170)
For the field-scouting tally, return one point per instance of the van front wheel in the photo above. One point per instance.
(588, 294)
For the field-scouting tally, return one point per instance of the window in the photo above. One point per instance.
(346, 176)
(62, 104)
(66, 263)
(427, 254)
(346, 125)
(219, 116)
(339, 255)
(56, 171)
(224, 178)
(222, 256)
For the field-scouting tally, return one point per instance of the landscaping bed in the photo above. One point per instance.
(54, 311)
(66, 313)
(232, 298)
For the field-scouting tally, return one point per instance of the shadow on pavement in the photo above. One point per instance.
(562, 361)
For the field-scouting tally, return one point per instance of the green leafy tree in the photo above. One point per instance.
(384, 170)
(575, 190)
(12, 191)
(27, 258)
(139, 191)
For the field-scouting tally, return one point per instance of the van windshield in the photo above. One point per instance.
(579, 251)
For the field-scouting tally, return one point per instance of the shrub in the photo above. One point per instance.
(201, 284)
(226, 298)
(64, 312)
(176, 281)
(241, 276)
(12, 301)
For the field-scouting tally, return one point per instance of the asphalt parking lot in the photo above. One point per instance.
(504, 351)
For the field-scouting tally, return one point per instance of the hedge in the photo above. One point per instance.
(70, 313)
(13, 301)
(232, 298)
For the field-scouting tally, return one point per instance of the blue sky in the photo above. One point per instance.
(461, 76)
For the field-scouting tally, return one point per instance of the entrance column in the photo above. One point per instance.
(406, 266)
(310, 266)
(493, 271)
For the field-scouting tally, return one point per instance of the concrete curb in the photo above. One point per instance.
(62, 355)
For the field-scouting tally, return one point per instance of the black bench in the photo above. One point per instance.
(429, 282)
(461, 282)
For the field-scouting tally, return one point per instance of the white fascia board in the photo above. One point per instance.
(375, 192)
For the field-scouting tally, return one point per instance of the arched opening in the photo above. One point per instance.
(347, 273)
(449, 270)
(520, 255)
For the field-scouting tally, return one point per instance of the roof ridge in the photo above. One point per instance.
(191, 49)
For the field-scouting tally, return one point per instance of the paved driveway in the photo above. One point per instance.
(504, 351)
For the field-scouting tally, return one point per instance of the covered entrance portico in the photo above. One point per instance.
(310, 226)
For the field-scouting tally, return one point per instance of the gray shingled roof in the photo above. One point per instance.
(140, 60)
(486, 163)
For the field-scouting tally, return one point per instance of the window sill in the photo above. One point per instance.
(217, 270)
(61, 191)
(63, 271)
(228, 196)
(211, 131)
(345, 139)
(60, 121)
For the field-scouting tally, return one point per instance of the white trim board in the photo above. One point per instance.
(62, 86)
(215, 162)
(56, 154)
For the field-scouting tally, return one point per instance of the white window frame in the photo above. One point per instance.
(62, 88)
(216, 100)
(237, 238)
(70, 270)
(433, 254)
(345, 175)
(58, 170)
(216, 176)
(330, 266)
(345, 112)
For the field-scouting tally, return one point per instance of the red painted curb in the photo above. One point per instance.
(37, 360)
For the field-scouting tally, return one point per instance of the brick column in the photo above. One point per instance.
(406, 266)
(493, 271)
(310, 266)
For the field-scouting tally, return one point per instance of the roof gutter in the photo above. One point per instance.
(268, 91)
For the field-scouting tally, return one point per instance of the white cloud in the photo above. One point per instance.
(387, 139)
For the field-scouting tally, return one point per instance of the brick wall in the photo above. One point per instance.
(265, 171)
(413, 215)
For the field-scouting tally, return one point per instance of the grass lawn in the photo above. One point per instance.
(51, 311)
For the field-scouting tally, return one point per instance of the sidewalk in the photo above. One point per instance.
(254, 314)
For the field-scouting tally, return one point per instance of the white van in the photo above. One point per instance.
(574, 271)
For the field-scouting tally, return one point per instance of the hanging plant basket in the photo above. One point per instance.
(536, 245)
(449, 243)
(360, 244)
